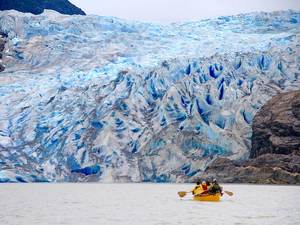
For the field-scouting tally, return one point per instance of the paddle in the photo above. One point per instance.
(203, 193)
(229, 193)
(183, 193)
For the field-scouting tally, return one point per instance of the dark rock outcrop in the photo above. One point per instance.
(276, 127)
(275, 153)
(266, 169)
(38, 6)
(2, 47)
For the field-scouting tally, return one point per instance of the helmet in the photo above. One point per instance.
(214, 180)
(203, 182)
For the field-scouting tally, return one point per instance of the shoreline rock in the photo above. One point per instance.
(266, 169)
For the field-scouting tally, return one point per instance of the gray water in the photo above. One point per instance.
(138, 204)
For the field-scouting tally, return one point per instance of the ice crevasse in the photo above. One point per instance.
(90, 98)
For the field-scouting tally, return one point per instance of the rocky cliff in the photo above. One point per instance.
(3, 37)
(38, 6)
(276, 127)
(266, 169)
(275, 152)
(2, 47)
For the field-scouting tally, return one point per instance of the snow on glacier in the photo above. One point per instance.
(90, 98)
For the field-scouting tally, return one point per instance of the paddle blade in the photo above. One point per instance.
(229, 193)
(182, 193)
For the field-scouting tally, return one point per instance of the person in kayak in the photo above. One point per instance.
(204, 187)
(201, 189)
(215, 188)
(196, 188)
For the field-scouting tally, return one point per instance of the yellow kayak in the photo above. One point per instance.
(208, 198)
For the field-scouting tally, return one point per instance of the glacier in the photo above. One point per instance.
(91, 98)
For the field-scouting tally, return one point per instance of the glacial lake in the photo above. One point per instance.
(143, 204)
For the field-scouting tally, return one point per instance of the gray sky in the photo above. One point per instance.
(165, 11)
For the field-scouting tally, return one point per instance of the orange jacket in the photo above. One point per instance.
(204, 187)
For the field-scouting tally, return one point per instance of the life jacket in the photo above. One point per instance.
(204, 187)
(196, 189)
(215, 188)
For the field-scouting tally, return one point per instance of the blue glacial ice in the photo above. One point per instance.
(90, 98)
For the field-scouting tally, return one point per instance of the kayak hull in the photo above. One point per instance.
(208, 198)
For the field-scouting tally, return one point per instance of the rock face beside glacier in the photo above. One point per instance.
(2, 48)
(102, 99)
(275, 155)
(276, 127)
(265, 169)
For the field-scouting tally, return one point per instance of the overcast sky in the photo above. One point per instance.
(165, 11)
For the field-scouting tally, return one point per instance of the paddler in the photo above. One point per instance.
(215, 188)
(204, 187)
(196, 188)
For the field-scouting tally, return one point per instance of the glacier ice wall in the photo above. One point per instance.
(103, 99)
